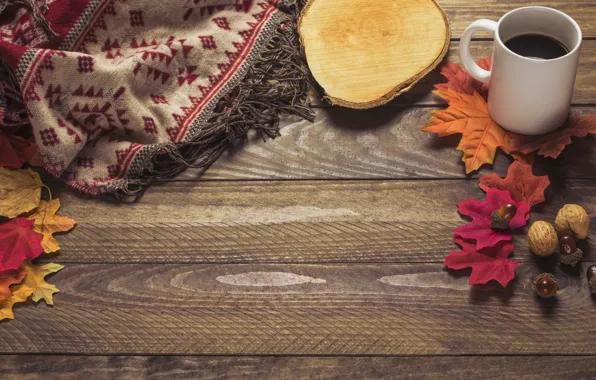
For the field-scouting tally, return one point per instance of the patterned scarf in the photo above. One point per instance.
(122, 92)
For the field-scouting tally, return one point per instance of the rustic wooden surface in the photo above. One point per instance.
(315, 255)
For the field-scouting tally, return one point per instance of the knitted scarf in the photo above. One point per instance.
(122, 92)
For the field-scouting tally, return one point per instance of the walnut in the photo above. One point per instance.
(575, 219)
(543, 238)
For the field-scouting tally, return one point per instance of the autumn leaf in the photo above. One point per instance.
(18, 243)
(35, 279)
(468, 115)
(460, 81)
(479, 229)
(8, 278)
(552, 144)
(522, 184)
(20, 294)
(47, 223)
(15, 150)
(20, 191)
(488, 264)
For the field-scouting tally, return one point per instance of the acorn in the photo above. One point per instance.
(502, 217)
(570, 254)
(546, 285)
(592, 278)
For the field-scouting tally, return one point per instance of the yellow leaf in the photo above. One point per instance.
(19, 294)
(468, 115)
(35, 279)
(47, 223)
(20, 191)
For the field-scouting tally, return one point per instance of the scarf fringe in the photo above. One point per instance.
(277, 83)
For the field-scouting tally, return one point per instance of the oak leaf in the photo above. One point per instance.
(18, 243)
(20, 191)
(19, 294)
(47, 223)
(552, 144)
(460, 81)
(488, 264)
(522, 184)
(468, 115)
(16, 150)
(8, 278)
(479, 229)
(35, 279)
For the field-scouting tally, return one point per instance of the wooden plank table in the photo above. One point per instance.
(315, 255)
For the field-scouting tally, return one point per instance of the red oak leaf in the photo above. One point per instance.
(8, 278)
(479, 228)
(15, 150)
(18, 242)
(460, 81)
(522, 184)
(488, 264)
(552, 144)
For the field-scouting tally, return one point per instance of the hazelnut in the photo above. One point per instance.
(592, 278)
(502, 216)
(570, 254)
(543, 238)
(546, 285)
(573, 218)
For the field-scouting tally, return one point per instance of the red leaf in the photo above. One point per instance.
(17, 243)
(479, 228)
(8, 278)
(15, 150)
(552, 144)
(488, 264)
(522, 184)
(460, 81)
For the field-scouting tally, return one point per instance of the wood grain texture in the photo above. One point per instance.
(379, 143)
(287, 221)
(463, 12)
(183, 309)
(14, 367)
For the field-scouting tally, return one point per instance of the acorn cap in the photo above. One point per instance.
(497, 222)
(572, 259)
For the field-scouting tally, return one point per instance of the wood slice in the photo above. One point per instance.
(365, 53)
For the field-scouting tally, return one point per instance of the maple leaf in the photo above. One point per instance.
(460, 81)
(522, 184)
(488, 264)
(8, 278)
(20, 191)
(19, 294)
(47, 223)
(18, 243)
(552, 144)
(479, 228)
(15, 150)
(35, 279)
(468, 115)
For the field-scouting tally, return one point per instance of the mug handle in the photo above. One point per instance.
(464, 49)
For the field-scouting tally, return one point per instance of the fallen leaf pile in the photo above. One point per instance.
(26, 235)
(484, 249)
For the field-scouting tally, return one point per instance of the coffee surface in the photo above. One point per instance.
(536, 46)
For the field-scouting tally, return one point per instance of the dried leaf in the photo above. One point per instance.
(18, 243)
(487, 264)
(479, 229)
(552, 144)
(20, 294)
(20, 191)
(468, 115)
(47, 223)
(35, 279)
(8, 278)
(460, 81)
(15, 150)
(522, 184)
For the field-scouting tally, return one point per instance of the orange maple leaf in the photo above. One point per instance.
(8, 278)
(468, 115)
(47, 223)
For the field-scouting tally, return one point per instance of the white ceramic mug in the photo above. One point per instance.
(526, 95)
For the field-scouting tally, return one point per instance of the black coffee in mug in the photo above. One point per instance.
(536, 46)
